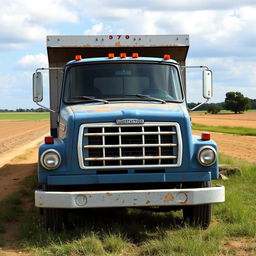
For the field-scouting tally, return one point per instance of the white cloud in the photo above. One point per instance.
(98, 28)
(25, 21)
(7, 83)
(33, 61)
(39, 12)
(104, 6)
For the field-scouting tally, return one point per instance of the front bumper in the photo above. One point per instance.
(129, 198)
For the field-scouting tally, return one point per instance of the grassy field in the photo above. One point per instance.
(134, 232)
(225, 129)
(24, 116)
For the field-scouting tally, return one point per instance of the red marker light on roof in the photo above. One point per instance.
(167, 57)
(111, 55)
(205, 136)
(135, 55)
(122, 55)
(78, 57)
(48, 140)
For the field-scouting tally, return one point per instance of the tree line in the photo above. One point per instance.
(234, 101)
(25, 110)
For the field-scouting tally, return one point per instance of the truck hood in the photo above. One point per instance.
(113, 111)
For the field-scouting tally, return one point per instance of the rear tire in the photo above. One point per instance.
(198, 215)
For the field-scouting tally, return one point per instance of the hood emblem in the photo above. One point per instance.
(129, 121)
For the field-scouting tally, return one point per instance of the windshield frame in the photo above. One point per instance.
(122, 99)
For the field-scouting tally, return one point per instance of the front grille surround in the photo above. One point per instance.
(117, 146)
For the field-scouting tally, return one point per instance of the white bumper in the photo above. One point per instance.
(129, 198)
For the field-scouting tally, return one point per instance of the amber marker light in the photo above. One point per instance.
(78, 57)
(167, 57)
(135, 55)
(111, 55)
(122, 55)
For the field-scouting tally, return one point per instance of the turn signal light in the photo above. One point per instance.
(135, 55)
(78, 57)
(122, 55)
(48, 140)
(167, 57)
(205, 136)
(111, 55)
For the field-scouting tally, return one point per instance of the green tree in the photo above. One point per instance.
(236, 102)
(213, 108)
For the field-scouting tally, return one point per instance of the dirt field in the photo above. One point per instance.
(239, 120)
(17, 133)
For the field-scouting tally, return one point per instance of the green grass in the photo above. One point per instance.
(9, 209)
(24, 116)
(225, 129)
(134, 232)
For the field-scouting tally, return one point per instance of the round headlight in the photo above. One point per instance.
(207, 156)
(50, 159)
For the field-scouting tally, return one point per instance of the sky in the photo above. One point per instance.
(222, 37)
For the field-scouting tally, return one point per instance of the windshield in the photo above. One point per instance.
(122, 81)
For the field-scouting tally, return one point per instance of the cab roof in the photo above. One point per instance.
(119, 59)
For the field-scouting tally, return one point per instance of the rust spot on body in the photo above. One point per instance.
(109, 194)
(168, 198)
(148, 202)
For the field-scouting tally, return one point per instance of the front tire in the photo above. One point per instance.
(198, 215)
(54, 219)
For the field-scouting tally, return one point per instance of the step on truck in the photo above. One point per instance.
(120, 129)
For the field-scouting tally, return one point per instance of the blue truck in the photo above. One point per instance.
(120, 129)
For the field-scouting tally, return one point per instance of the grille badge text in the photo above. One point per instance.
(129, 121)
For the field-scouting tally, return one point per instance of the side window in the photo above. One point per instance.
(174, 84)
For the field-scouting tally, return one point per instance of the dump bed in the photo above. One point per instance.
(62, 49)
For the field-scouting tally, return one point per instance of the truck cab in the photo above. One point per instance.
(120, 129)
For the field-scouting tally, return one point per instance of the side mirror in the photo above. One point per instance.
(207, 84)
(37, 87)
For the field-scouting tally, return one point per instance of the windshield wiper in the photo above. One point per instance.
(91, 98)
(147, 97)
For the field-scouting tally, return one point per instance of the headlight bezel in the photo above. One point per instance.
(199, 155)
(43, 156)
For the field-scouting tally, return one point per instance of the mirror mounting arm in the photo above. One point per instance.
(199, 105)
(45, 107)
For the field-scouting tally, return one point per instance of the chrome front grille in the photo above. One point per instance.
(109, 145)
